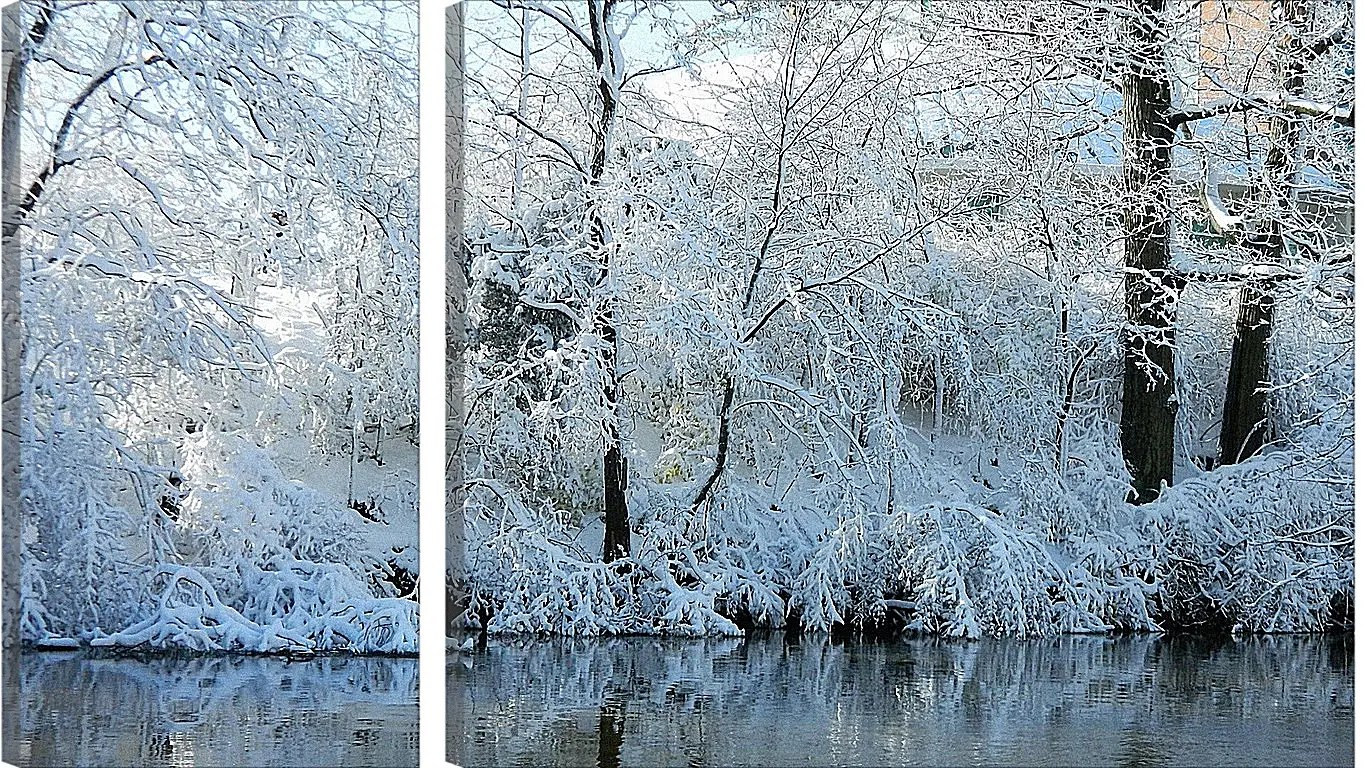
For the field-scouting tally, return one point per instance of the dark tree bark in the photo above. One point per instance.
(1147, 420)
(727, 397)
(1245, 406)
(1244, 410)
(615, 514)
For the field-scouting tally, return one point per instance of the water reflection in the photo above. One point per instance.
(1066, 701)
(217, 710)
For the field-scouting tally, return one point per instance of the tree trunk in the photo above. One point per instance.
(456, 599)
(615, 514)
(1147, 420)
(1245, 406)
(1244, 410)
(727, 397)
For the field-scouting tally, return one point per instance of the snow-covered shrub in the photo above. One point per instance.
(294, 607)
(1249, 545)
(529, 575)
(189, 614)
(239, 505)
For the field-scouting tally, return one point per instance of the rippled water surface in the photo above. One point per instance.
(1069, 701)
(217, 711)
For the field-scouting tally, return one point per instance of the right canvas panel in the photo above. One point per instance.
(901, 383)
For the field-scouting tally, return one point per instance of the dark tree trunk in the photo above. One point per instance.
(615, 514)
(1147, 420)
(1245, 407)
(1244, 410)
(727, 397)
(727, 400)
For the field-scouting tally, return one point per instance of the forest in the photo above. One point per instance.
(958, 317)
(210, 235)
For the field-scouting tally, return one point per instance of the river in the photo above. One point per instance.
(1074, 700)
(217, 710)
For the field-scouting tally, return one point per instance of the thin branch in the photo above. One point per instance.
(552, 13)
(56, 163)
(555, 140)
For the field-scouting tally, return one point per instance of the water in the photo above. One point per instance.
(1070, 701)
(216, 711)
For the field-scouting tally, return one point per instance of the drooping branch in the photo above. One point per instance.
(57, 162)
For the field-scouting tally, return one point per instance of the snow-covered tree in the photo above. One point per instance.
(905, 297)
(217, 233)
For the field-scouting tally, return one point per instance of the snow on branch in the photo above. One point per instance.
(1266, 101)
(554, 14)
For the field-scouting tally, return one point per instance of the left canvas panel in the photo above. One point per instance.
(210, 276)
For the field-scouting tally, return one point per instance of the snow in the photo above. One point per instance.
(905, 265)
(219, 301)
